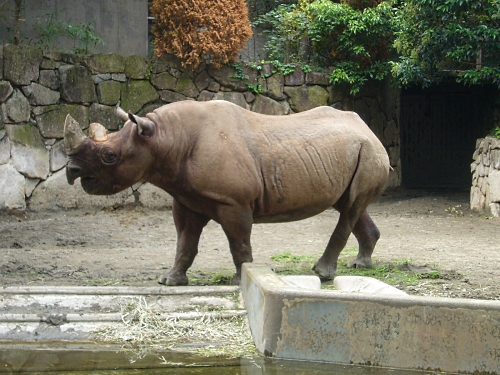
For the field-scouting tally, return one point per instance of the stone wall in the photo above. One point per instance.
(485, 191)
(39, 88)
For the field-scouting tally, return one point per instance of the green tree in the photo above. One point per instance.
(353, 36)
(443, 38)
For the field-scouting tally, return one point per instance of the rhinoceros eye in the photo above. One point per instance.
(108, 155)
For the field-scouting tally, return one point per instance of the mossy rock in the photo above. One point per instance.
(77, 85)
(28, 153)
(106, 63)
(164, 81)
(105, 115)
(186, 86)
(5, 90)
(303, 98)
(109, 92)
(50, 119)
(22, 63)
(136, 67)
(136, 94)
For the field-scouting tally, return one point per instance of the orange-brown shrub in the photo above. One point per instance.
(212, 31)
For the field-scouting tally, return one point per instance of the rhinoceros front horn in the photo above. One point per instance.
(73, 135)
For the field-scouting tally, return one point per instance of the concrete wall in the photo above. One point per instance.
(122, 24)
(397, 331)
(39, 88)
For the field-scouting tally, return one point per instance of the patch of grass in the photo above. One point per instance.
(431, 275)
(393, 273)
(349, 251)
(209, 278)
(220, 279)
(290, 264)
(287, 257)
(398, 272)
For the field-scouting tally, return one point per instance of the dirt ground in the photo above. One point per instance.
(133, 246)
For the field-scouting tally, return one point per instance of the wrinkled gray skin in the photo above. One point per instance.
(221, 162)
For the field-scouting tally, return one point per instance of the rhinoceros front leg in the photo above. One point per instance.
(367, 234)
(237, 225)
(189, 225)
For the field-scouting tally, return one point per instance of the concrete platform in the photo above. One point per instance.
(370, 325)
(50, 313)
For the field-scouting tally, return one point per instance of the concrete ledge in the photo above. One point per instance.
(393, 330)
(365, 285)
(69, 314)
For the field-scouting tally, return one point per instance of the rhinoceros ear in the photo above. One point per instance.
(122, 115)
(145, 127)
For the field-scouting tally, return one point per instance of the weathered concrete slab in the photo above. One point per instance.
(365, 285)
(406, 332)
(51, 313)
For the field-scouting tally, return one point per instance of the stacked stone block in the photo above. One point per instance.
(39, 88)
(485, 190)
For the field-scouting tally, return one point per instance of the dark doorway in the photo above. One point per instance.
(439, 128)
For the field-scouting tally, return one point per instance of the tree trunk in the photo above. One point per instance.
(17, 22)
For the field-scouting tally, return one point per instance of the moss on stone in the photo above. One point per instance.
(164, 81)
(106, 63)
(24, 134)
(77, 85)
(108, 92)
(136, 67)
(304, 97)
(135, 94)
(50, 119)
(23, 63)
(186, 86)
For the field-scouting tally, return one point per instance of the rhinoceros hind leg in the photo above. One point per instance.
(360, 263)
(353, 218)
(326, 266)
(325, 271)
(367, 234)
(367, 183)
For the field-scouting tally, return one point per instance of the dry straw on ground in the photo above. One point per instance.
(208, 333)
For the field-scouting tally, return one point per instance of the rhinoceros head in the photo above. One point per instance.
(109, 163)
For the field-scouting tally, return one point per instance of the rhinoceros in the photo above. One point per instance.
(222, 162)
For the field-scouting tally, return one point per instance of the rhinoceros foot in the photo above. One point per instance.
(361, 262)
(173, 279)
(236, 280)
(325, 271)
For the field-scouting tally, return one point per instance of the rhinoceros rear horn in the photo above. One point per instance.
(73, 135)
(97, 132)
